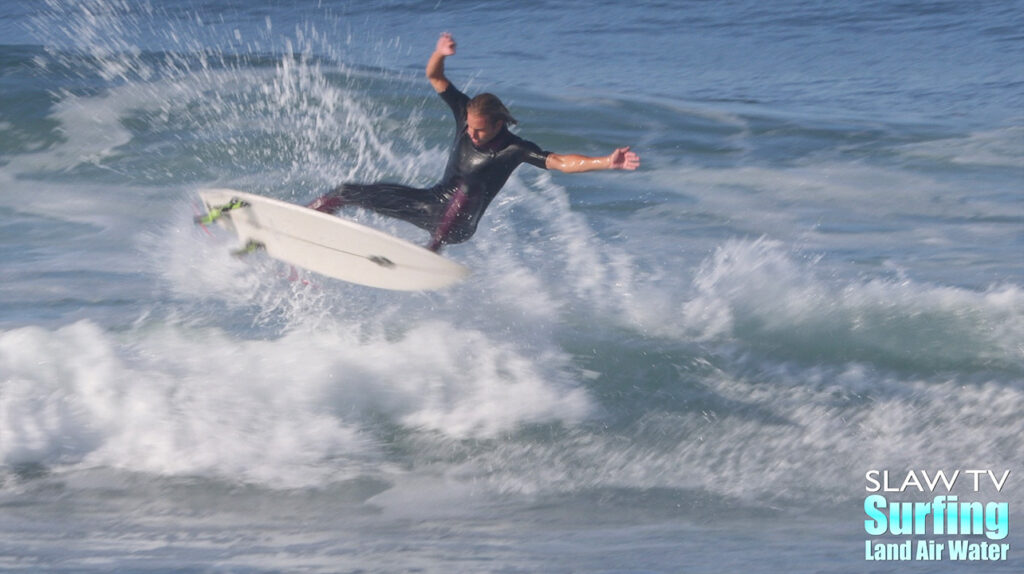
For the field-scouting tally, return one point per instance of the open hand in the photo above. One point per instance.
(622, 158)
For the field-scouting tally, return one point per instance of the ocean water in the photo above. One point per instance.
(817, 272)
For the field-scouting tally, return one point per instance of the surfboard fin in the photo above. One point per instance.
(251, 246)
(216, 212)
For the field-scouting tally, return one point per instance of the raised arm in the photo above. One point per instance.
(435, 66)
(621, 158)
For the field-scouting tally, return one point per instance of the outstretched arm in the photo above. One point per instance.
(621, 158)
(435, 66)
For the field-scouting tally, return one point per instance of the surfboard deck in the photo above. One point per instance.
(329, 245)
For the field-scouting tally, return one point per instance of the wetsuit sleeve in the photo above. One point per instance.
(533, 155)
(457, 101)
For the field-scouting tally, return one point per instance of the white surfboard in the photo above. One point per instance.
(330, 245)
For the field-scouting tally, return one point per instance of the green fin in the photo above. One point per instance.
(251, 246)
(216, 212)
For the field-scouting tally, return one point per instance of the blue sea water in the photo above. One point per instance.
(817, 272)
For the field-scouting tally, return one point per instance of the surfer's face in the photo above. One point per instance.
(480, 130)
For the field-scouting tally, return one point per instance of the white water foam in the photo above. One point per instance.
(760, 292)
(292, 411)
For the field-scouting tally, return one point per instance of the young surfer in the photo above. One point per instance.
(483, 156)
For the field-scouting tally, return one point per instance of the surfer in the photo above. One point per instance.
(483, 156)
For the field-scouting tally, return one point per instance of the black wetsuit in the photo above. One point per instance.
(452, 209)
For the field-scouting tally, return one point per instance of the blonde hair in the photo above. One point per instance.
(490, 107)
